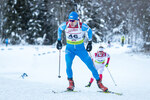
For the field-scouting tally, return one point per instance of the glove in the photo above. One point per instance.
(89, 46)
(59, 45)
(106, 65)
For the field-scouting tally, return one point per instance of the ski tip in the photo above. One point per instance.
(54, 91)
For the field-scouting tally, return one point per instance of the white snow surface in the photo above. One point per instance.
(130, 72)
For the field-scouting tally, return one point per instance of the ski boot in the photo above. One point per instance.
(88, 85)
(101, 86)
(71, 85)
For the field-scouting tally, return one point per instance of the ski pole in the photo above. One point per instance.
(111, 77)
(59, 63)
(91, 57)
(90, 54)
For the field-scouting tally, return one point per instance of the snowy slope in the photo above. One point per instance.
(130, 72)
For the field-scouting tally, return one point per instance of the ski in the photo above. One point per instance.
(74, 91)
(71, 91)
(111, 92)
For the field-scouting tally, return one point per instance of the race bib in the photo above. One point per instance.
(74, 35)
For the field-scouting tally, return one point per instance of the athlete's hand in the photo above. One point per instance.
(59, 45)
(106, 65)
(89, 46)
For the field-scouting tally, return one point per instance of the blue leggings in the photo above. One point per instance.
(79, 50)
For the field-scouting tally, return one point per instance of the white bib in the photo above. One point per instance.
(74, 35)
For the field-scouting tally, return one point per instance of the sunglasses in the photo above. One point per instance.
(71, 20)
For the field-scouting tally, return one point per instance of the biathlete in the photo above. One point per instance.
(75, 32)
(99, 63)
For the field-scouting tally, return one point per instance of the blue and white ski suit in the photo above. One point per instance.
(75, 46)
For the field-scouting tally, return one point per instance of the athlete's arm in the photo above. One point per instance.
(85, 27)
(60, 29)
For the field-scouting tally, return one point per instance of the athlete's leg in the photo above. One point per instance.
(69, 56)
(83, 55)
(101, 76)
(100, 71)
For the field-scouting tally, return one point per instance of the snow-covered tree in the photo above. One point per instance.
(36, 21)
(9, 23)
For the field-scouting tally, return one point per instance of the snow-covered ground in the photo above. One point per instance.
(130, 72)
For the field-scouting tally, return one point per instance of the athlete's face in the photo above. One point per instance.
(73, 23)
(101, 52)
